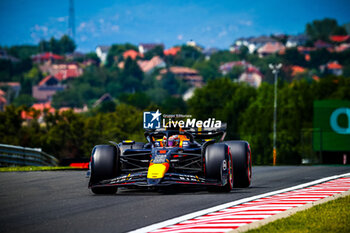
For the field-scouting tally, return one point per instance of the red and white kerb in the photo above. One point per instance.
(233, 217)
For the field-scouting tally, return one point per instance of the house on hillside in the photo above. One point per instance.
(148, 66)
(228, 66)
(252, 43)
(144, 48)
(172, 51)
(332, 67)
(188, 75)
(102, 52)
(195, 45)
(270, 48)
(252, 76)
(295, 41)
(37, 111)
(132, 54)
(45, 57)
(62, 71)
(342, 47)
(297, 70)
(340, 39)
(47, 87)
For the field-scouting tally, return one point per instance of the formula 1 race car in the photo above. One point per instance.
(172, 157)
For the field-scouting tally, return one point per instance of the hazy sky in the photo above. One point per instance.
(212, 23)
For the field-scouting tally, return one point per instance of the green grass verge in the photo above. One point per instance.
(333, 216)
(34, 168)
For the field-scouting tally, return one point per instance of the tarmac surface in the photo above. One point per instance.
(61, 202)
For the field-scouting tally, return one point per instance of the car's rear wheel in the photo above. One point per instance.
(104, 166)
(218, 166)
(242, 163)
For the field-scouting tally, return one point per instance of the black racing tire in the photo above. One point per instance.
(104, 165)
(215, 154)
(242, 163)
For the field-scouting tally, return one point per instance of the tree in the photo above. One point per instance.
(93, 56)
(173, 105)
(322, 29)
(55, 46)
(66, 44)
(138, 99)
(156, 51)
(23, 51)
(187, 56)
(116, 51)
(207, 69)
(293, 57)
(62, 46)
(23, 99)
(170, 83)
(132, 76)
(209, 101)
(11, 124)
(243, 52)
(235, 72)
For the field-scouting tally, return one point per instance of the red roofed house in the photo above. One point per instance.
(340, 39)
(44, 106)
(332, 68)
(47, 87)
(342, 47)
(62, 71)
(147, 66)
(270, 48)
(37, 111)
(297, 70)
(132, 54)
(48, 56)
(252, 76)
(227, 67)
(188, 75)
(172, 51)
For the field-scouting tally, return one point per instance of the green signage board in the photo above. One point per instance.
(331, 125)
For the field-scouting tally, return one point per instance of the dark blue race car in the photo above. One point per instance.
(172, 157)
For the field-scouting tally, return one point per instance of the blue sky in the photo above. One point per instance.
(172, 22)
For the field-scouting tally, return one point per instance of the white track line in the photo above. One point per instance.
(173, 221)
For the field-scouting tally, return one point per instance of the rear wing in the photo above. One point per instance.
(197, 133)
(208, 132)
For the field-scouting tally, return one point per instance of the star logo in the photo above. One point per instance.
(151, 120)
(156, 115)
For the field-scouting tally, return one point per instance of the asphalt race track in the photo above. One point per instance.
(60, 201)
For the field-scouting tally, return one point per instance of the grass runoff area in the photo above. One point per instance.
(34, 168)
(333, 216)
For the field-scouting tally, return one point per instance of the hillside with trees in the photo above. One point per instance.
(317, 70)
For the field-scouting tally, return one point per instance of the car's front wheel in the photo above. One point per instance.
(104, 165)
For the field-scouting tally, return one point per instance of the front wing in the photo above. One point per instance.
(140, 179)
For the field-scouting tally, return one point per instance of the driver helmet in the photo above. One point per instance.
(173, 141)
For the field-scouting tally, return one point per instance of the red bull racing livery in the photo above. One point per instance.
(172, 157)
